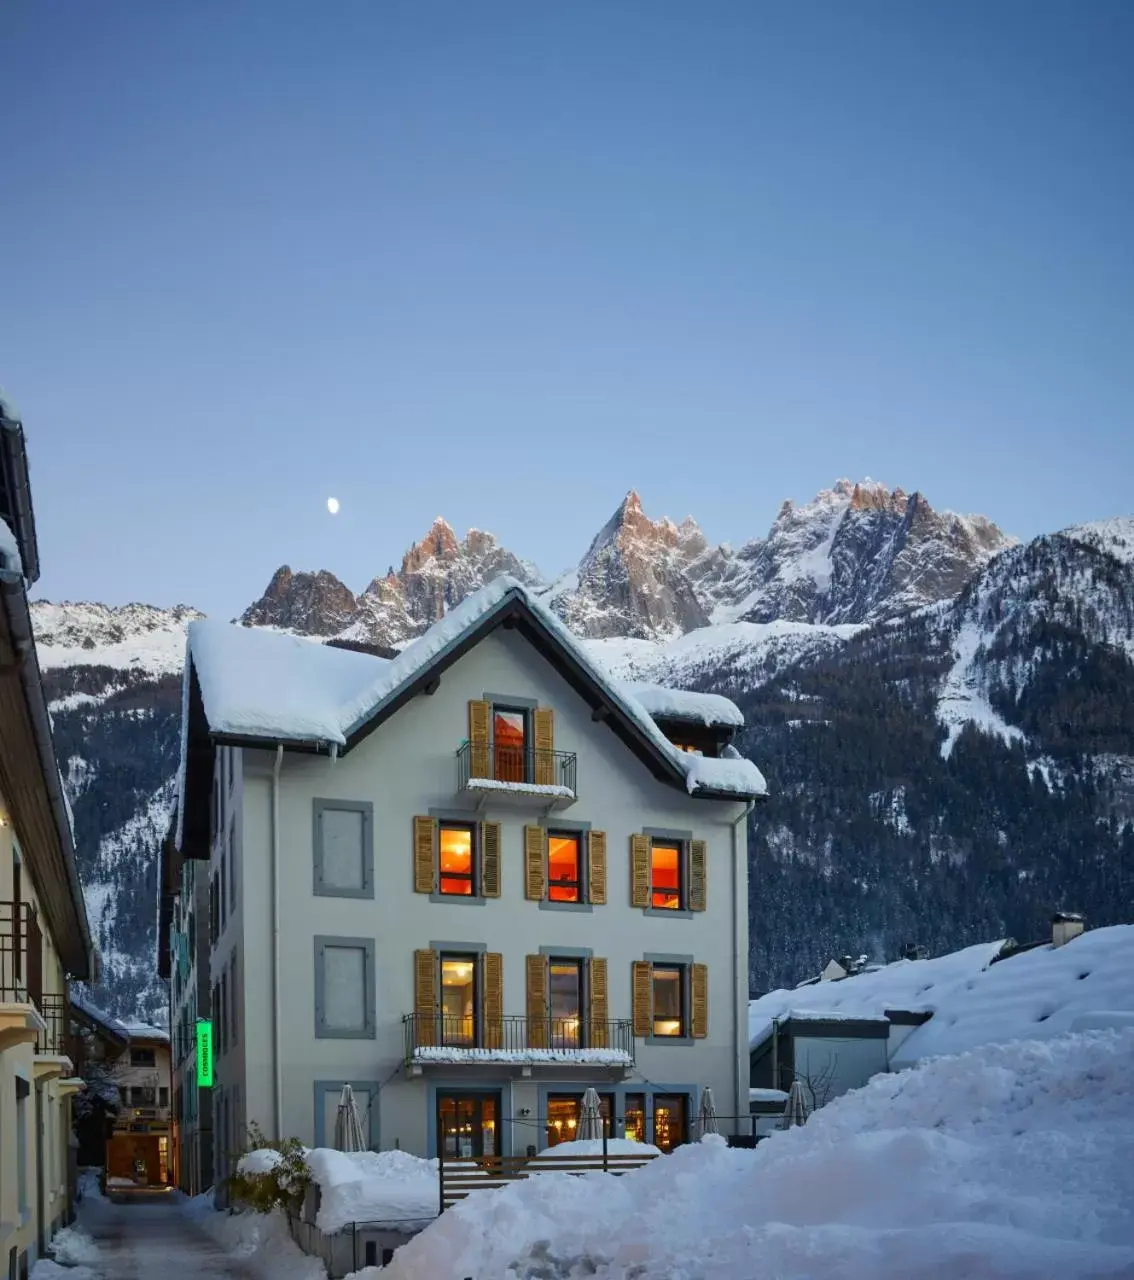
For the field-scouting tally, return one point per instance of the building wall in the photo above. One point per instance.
(190, 1000)
(408, 767)
(831, 1065)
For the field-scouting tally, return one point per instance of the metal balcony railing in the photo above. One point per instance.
(55, 1013)
(522, 766)
(21, 953)
(561, 1040)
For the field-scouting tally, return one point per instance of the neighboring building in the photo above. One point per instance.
(472, 881)
(132, 1059)
(183, 961)
(44, 938)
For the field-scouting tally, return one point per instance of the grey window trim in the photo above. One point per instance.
(671, 960)
(670, 913)
(567, 953)
(322, 1031)
(319, 888)
(458, 818)
(683, 839)
(557, 823)
(462, 898)
(666, 833)
(371, 1122)
(583, 831)
(582, 908)
(674, 1040)
(460, 948)
(508, 700)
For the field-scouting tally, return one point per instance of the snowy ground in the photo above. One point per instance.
(1010, 1161)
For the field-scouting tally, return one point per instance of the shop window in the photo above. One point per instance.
(563, 1112)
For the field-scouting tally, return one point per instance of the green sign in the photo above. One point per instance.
(204, 1053)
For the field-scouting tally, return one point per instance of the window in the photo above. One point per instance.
(344, 848)
(163, 1096)
(669, 1003)
(563, 1116)
(564, 866)
(143, 1095)
(142, 1058)
(665, 874)
(685, 746)
(509, 744)
(458, 1000)
(458, 858)
(565, 1002)
(634, 1117)
(344, 988)
(670, 1120)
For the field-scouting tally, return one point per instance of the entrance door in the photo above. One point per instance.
(468, 1125)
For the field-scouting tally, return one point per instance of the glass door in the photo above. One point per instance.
(468, 1125)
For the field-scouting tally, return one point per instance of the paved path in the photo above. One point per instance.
(154, 1240)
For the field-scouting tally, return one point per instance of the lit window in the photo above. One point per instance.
(670, 1121)
(563, 1112)
(665, 875)
(456, 844)
(668, 1012)
(687, 746)
(634, 1120)
(509, 744)
(565, 1003)
(564, 858)
(458, 1000)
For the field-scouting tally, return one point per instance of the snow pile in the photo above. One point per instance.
(681, 704)
(73, 1247)
(451, 1053)
(1013, 1161)
(259, 1240)
(593, 1147)
(373, 1186)
(262, 1160)
(45, 1269)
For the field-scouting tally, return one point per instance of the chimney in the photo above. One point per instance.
(1066, 925)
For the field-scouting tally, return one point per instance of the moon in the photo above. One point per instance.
(333, 506)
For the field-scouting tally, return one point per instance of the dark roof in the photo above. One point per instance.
(15, 492)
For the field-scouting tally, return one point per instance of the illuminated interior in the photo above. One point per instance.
(634, 1117)
(669, 1120)
(458, 1000)
(667, 1000)
(509, 734)
(457, 860)
(563, 861)
(686, 746)
(467, 1125)
(563, 1116)
(665, 875)
(565, 992)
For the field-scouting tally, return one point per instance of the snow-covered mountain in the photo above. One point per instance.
(909, 678)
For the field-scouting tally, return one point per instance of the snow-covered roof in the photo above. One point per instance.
(124, 1028)
(681, 704)
(1033, 995)
(259, 683)
(10, 561)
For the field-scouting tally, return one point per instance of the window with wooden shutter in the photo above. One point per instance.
(639, 871)
(642, 993)
(490, 859)
(699, 999)
(424, 839)
(480, 716)
(537, 1001)
(493, 1000)
(698, 872)
(599, 1002)
(596, 868)
(425, 965)
(535, 863)
(543, 733)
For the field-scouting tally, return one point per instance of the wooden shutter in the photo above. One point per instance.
(535, 863)
(698, 871)
(490, 859)
(425, 967)
(699, 992)
(597, 986)
(643, 996)
(537, 1002)
(480, 718)
(493, 1000)
(543, 731)
(639, 871)
(596, 868)
(424, 860)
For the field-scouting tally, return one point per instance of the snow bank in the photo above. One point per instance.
(73, 1247)
(373, 1186)
(1013, 1161)
(262, 1160)
(260, 1241)
(45, 1269)
(593, 1147)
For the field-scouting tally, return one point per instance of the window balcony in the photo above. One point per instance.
(21, 954)
(54, 1040)
(520, 1041)
(523, 776)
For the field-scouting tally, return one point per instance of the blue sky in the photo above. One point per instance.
(505, 261)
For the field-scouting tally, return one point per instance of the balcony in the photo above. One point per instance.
(54, 1039)
(522, 776)
(518, 1041)
(21, 975)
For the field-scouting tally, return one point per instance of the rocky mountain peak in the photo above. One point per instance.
(440, 543)
(314, 604)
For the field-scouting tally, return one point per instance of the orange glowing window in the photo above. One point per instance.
(457, 862)
(563, 862)
(509, 745)
(665, 876)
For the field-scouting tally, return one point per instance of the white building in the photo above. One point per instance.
(472, 881)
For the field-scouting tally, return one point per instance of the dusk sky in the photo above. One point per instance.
(505, 261)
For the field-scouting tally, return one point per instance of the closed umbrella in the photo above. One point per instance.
(348, 1126)
(795, 1109)
(590, 1116)
(708, 1112)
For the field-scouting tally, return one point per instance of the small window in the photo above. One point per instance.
(163, 1096)
(665, 875)
(457, 844)
(564, 866)
(565, 1002)
(458, 1000)
(669, 1003)
(142, 1058)
(344, 858)
(510, 744)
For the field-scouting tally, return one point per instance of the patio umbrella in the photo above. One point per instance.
(708, 1112)
(795, 1109)
(590, 1116)
(348, 1126)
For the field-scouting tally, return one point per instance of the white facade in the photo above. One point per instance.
(280, 1061)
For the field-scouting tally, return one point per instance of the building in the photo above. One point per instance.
(183, 961)
(44, 938)
(130, 1063)
(473, 881)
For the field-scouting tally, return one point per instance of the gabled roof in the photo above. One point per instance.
(259, 688)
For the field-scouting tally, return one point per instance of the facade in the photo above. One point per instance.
(44, 938)
(495, 884)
